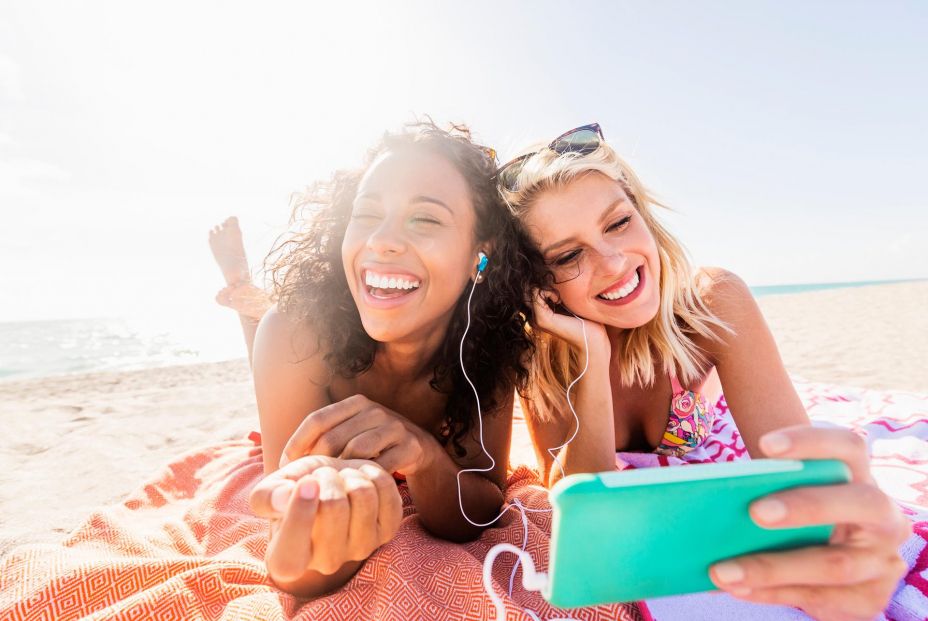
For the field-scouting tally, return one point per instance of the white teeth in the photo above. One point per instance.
(630, 286)
(379, 281)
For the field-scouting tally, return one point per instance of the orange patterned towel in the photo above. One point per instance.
(186, 546)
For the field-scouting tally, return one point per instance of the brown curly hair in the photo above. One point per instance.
(310, 285)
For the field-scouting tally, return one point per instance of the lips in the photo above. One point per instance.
(625, 289)
(622, 287)
(385, 286)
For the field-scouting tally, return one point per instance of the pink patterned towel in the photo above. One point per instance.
(895, 425)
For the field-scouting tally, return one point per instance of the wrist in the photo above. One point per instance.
(431, 452)
(422, 452)
(599, 347)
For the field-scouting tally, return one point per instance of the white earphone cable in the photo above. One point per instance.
(531, 579)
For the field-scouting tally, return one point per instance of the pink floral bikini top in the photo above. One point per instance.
(689, 424)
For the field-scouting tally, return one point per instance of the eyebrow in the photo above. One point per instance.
(421, 198)
(434, 201)
(602, 218)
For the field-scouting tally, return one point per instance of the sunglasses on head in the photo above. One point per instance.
(582, 140)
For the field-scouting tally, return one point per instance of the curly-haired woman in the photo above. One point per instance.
(357, 368)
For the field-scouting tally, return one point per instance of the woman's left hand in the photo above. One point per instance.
(854, 576)
(358, 428)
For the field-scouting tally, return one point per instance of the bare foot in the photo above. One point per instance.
(245, 298)
(225, 241)
(239, 294)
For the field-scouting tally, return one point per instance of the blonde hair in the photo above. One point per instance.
(666, 340)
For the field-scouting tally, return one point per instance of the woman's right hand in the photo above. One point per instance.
(330, 512)
(856, 573)
(569, 328)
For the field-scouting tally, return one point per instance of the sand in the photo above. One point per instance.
(871, 337)
(72, 443)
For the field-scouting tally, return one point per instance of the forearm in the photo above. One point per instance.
(435, 493)
(593, 448)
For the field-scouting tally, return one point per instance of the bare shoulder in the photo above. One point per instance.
(725, 294)
(291, 380)
(730, 300)
(282, 340)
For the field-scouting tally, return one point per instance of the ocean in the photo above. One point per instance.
(43, 348)
(785, 289)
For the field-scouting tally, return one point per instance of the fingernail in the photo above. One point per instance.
(769, 510)
(309, 490)
(729, 572)
(280, 497)
(775, 443)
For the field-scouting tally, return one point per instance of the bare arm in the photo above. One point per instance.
(434, 488)
(757, 388)
(870, 526)
(358, 428)
(593, 448)
(290, 381)
(288, 386)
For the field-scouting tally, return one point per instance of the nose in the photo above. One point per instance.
(610, 259)
(387, 238)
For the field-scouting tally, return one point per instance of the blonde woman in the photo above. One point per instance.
(663, 341)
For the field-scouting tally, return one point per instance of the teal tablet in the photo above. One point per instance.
(637, 534)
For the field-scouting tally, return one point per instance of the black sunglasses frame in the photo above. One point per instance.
(559, 145)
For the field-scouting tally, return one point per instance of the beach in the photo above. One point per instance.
(871, 337)
(72, 443)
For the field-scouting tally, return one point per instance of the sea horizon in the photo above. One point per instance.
(50, 347)
(765, 290)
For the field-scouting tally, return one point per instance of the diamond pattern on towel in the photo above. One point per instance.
(186, 546)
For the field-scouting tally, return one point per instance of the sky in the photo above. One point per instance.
(789, 138)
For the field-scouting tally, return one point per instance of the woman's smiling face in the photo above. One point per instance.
(409, 248)
(600, 249)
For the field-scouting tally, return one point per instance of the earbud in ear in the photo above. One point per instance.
(484, 259)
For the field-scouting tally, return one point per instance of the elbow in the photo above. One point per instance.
(457, 527)
(455, 531)
(608, 463)
(459, 535)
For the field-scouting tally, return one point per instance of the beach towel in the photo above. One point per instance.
(186, 546)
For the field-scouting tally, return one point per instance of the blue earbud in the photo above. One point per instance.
(484, 259)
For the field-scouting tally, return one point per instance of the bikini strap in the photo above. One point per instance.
(675, 383)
